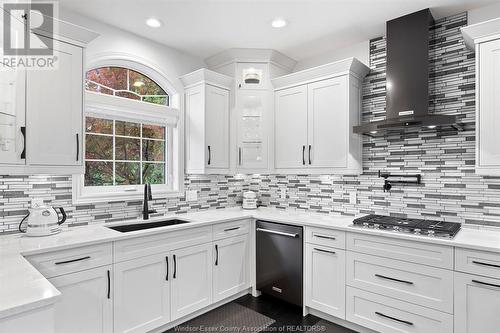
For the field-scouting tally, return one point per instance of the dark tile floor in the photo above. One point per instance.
(288, 317)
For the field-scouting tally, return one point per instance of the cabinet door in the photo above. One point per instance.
(477, 304)
(142, 293)
(191, 279)
(86, 304)
(254, 110)
(230, 267)
(290, 127)
(217, 127)
(328, 124)
(54, 104)
(325, 280)
(12, 116)
(489, 104)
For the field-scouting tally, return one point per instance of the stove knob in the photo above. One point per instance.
(365, 224)
(395, 228)
(376, 226)
(417, 231)
(430, 232)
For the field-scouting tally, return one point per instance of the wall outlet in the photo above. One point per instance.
(191, 195)
(353, 198)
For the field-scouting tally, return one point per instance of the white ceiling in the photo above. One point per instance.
(206, 27)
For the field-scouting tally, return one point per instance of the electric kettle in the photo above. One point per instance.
(43, 221)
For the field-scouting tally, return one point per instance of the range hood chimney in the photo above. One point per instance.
(407, 75)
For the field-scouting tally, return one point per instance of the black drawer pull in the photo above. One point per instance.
(325, 237)
(487, 284)
(175, 267)
(216, 255)
(77, 147)
(325, 251)
(395, 319)
(485, 264)
(209, 155)
(231, 229)
(72, 260)
(109, 284)
(303, 155)
(393, 279)
(23, 132)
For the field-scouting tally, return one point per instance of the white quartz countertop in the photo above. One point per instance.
(23, 288)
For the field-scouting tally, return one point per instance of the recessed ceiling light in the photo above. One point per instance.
(153, 22)
(279, 22)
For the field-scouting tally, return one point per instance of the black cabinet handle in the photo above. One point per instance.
(216, 255)
(487, 284)
(325, 251)
(209, 155)
(325, 237)
(395, 319)
(23, 132)
(72, 260)
(77, 147)
(175, 267)
(231, 229)
(239, 156)
(485, 264)
(109, 284)
(303, 155)
(392, 279)
(166, 259)
(310, 147)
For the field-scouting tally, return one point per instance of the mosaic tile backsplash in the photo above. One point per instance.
(450, 190)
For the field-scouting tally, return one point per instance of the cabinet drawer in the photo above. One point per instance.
(477, 262)
(326, 237)
(229, 229)
(57, 263)
(144, 246)
(388, 315)
(414, 283)
(406, 250)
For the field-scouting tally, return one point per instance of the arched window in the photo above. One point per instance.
(127, 83)
(129, 135)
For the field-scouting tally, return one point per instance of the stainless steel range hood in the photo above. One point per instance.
(407, 78)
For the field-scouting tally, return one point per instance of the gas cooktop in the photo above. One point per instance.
(409, 226)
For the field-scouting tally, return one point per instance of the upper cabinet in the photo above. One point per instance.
(41, 109)
(207, 104)
(485, 38)
(315, 111)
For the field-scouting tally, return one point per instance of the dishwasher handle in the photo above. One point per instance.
(269, 231)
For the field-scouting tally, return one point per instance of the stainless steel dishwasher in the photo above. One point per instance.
(279, 260)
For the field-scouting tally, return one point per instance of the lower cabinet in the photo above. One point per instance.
(325, 279)
(141, 293)
(230, 267)
(191, 286)
(477, 304)
(86, 303)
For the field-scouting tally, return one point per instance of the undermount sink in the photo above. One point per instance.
(148, 225)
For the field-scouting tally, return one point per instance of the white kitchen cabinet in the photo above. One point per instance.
(315, 111)
(191, 283)
(477, 304)
(86, 303)
(254, 117)
(325, 279)
(207, 104)
(46, 105)
(142, 293)
(484, 37)
(54, 104)
(12, 116)
(230, 271)
(328, 123)
(290, 128)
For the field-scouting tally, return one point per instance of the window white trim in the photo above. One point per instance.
(121, 108)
